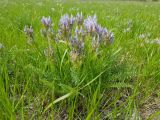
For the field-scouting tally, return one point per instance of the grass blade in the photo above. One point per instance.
(57, 100)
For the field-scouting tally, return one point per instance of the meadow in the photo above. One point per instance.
(43, 76)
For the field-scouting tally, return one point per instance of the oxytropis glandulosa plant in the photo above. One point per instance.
(76, 32)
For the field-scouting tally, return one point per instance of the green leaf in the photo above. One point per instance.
(58, 100)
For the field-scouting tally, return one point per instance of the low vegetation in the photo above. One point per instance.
(79, 60)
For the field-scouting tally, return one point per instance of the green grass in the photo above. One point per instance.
(113, 85)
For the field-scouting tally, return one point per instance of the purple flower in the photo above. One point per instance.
(47, 31)
(47, 22)
(64, 22)
(107, 36)
(77, 45)
(28, 31)
(105, 32)
(103, 35)
(74, 41)
(90, 23)
(79, 32)
(79, 18)
(99, 29)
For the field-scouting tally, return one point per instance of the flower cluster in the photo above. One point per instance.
(99, 34)
(47, 30)
(47, 22)
(77, 45)
(65, 26)
(90, 24)
(76, 31)
(29, 33)
(77, 48)
(66, 22)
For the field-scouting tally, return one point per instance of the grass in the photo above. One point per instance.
(118, 84)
